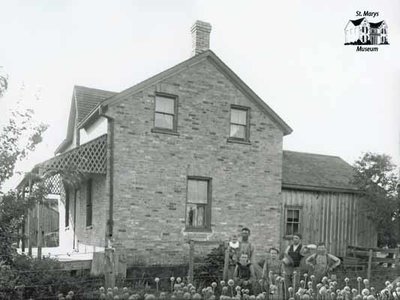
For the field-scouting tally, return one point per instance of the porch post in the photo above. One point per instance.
(29, 221)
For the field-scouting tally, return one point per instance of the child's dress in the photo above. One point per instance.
(233, 252)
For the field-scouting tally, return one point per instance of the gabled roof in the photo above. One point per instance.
(84, 100)
(375, 25)
(357, 22)
(219, 64)
(87, 99)
(317, 172)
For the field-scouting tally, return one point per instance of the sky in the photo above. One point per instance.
(291, 53)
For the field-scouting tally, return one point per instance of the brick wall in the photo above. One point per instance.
(87, 237)
(151, 169)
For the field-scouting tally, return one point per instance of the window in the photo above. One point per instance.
(239, 125)
(293, 215)
(67, 208)
(89, 204)
(165, 113)
(198, 203)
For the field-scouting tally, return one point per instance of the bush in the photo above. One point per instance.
(212, 269)
(41, 278)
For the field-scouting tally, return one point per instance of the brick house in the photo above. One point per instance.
(191, 153)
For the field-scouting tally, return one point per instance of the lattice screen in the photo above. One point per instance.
(53, 183)
(87, 158)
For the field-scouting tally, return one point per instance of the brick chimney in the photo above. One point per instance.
(200, 37)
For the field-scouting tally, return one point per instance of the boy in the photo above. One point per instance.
(322, 262)
(244, 272)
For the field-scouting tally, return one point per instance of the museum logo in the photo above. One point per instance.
(366, 35)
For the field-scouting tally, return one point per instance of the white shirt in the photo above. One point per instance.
(294, 248)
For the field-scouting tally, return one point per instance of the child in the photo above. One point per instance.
(244, 272)
(272, 266)
(233, 250)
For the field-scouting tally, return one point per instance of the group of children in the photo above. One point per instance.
(303, 259)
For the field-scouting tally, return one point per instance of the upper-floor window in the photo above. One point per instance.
(239, 124)
(89, 203)
(292, 220)
(198, 203)
(165, 112)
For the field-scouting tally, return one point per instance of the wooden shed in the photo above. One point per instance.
(320, 202)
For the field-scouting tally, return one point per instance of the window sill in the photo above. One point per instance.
(164, 131)
(237, 141)
(199, 230)
(89, 227)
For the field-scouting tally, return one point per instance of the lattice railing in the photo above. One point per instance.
(87, 158)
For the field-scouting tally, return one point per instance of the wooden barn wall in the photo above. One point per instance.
(334, 218)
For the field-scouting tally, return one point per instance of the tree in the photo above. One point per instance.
(19, 136)
(377, 176)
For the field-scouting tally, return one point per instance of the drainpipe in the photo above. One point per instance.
(110, 168)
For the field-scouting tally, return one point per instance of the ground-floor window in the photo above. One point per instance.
(198, 203)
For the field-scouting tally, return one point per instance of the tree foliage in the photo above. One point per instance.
(18, 136)
(377, 176)
(3, 84)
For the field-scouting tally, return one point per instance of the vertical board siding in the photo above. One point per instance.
(334, 218)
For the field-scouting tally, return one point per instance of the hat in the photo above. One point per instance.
(298, 235)
(287, 260)
(312, 246)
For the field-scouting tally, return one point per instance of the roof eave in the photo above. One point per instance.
(291, 186)
(93, 115)
(250, 93)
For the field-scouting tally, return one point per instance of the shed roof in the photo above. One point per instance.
(309, 171)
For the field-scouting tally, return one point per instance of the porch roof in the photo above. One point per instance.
(88, 158)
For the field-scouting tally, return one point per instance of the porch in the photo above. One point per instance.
(65, 170)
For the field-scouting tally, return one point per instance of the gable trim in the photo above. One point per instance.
(247, 91)
(70, 127)
(288, 186)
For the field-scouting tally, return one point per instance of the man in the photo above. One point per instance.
(292, 258)
(322, 262)
(245, 246)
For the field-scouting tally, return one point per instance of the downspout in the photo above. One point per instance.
(110, 168)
